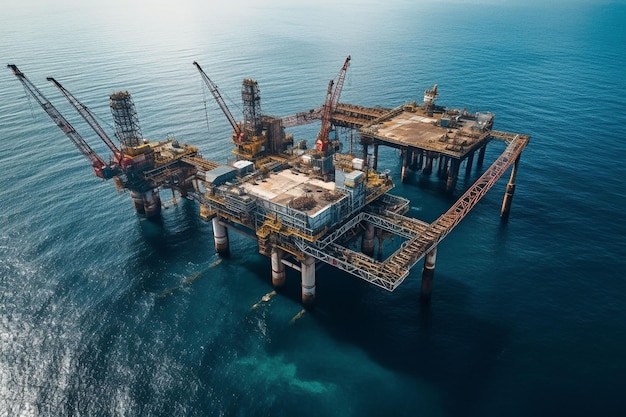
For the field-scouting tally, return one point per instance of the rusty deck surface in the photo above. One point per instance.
(414, 129)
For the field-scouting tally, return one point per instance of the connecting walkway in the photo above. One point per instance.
(422, 237)
(345, 115)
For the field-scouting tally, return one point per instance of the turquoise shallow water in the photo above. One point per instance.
(102, 313)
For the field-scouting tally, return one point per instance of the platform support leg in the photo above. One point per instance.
(413, 160)
(404, 164)
(220, 234)
(481, 156)
(379, 235)
(308, 281)
(151, 203)
(453, 173)
(468, 165)
(375, 158)
(367, 244)
(174, 197)
(428, 169)
(137, 198)
(442, 166)
(428, 273)
(510, 190)
(278, 268)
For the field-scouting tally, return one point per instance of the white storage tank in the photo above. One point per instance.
(357, 163)
(243, 166)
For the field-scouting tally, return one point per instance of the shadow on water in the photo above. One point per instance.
(160, 250)
(175, 231)
(437, 341)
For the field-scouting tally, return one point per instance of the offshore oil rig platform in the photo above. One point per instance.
(305, 206)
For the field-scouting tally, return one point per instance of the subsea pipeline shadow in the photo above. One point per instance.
(188, 280)
(297, 316)
(266, 298)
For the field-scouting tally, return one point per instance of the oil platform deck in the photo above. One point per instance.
(307, 205)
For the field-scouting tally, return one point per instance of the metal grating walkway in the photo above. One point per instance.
(390, 273)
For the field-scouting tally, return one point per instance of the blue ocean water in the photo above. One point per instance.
(104, 314)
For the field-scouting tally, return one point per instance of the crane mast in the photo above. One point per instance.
(340, 79)
(332, 98)
(238, 132)
(89, 117)
(321, 144)
(101, 169)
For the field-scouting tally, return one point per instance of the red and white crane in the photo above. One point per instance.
(239, 135)
(100, 168)
(90, 118)
(332, 98)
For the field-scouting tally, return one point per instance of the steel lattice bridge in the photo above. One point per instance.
(422, 237)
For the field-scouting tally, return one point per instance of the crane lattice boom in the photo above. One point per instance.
(101, 169)
(321, 144)
(89, 117)
(332, 98)
(339, 86)
(238, 133)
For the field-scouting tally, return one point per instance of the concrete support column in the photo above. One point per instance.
(174, 197)
(428, 169)
(308, 280)
(375, 161)
(404, 164)
(428, 273)
(453, 173)
(220, 234)
(468, 165)
(151, 203)
(481, 156)
(137, 201)
(442, 166)
(413, 160)
(278, 268)
(365, 151)
(367, 244)
(510, 190)
(379, 235)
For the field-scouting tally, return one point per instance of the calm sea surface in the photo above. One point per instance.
(104, 314)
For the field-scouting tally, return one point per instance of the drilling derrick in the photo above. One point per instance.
(252, 122)
(249, 140)
(264, 131)
(251, 99)
(430, 96)
(126, 121)
(138, 153)
(136, 150)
